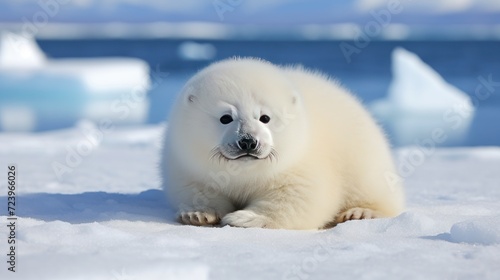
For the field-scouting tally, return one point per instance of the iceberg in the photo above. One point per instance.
(196, 51)
(421, 106)
(33, 101)
(18, 52)
(39, 93)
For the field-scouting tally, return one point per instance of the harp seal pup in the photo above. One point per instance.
(252, 144)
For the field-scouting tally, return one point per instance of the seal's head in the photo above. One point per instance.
(239, 111)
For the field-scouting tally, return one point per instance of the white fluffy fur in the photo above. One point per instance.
(331, 162)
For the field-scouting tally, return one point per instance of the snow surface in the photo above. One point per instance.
(106, 218)
(67, 89)
(419, 100)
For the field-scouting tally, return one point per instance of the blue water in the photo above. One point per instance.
(368, 74)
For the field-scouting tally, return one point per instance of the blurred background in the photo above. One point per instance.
(422, 67)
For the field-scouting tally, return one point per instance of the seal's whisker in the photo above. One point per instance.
(273, 155)
(276, 154)
(220, 157)
(214, 152)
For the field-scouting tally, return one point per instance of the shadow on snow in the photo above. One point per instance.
(87, 207)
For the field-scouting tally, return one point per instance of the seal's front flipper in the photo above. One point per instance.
(357, 213)
(198, 218)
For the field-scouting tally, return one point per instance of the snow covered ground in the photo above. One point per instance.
(90, 207)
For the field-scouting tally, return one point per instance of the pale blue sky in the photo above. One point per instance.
(269, 12)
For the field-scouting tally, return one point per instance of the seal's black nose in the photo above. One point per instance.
(248, 144)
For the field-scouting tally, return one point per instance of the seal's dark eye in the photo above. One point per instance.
(264, 118)
(226, 119)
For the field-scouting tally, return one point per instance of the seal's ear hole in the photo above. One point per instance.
(191, 98)
(295, 97)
